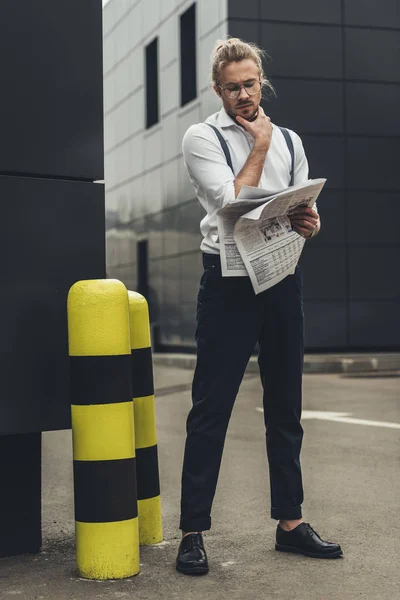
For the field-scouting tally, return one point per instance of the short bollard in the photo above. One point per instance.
(148, 482)
(106, 514)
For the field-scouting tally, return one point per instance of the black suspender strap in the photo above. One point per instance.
(289, 143)
(225, 148)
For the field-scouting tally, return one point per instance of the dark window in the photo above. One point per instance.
(142, 273)
(188, 55)
(152, 83)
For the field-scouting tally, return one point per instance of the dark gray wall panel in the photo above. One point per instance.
(318, 11)
(324, 272)
(246, 30)
(374, 324)
(325, 324)
(53, 236)
(373, 163)
(325, 158)
(246, 10)
(374, 273)
(52, 113)
(303, 51)
(385, 13)
(307, 106)
(331, 208)
(373, 108)
(372, 55)
(365, 211)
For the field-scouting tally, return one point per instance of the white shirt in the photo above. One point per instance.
(213, 179)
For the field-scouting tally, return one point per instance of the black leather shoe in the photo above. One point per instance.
(192, 557)
(304, 540)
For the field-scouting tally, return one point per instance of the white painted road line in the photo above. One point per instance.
(342, 418)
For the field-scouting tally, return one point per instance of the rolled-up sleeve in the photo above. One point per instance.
(300, 163)
(207, 166)
(301, 170)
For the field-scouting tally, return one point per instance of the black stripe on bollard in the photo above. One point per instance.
(100, 379)
(142, 373)
(105, 490)
(148, 485)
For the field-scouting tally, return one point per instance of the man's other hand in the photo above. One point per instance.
(305, 221)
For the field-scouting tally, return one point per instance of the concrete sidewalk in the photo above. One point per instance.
(313, 363)
(351, 485)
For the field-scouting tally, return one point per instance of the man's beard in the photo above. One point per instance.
(253, 117)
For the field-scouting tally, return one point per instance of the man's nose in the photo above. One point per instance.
(243, 93)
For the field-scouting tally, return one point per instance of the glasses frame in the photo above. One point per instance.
(242, 85)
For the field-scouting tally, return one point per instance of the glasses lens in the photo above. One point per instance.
(251, 89)
(232, 93)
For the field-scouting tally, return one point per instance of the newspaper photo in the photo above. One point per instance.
(256, 238)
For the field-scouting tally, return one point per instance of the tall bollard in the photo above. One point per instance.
(148, 482)
(106, 514)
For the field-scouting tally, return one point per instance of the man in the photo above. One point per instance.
(231, 319)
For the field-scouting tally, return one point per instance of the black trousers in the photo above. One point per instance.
(230, 321)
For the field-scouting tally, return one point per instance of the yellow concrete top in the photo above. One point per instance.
(139, 321)
(98, 318)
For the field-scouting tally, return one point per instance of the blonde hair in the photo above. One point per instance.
(235, 50)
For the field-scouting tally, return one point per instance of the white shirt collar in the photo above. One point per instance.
(224, 120)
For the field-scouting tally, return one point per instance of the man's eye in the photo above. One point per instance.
(249, 85)
(234, 88)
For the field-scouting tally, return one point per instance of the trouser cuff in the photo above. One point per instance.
(286, 513)
(195, 524)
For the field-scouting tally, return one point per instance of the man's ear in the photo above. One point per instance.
(217, 90)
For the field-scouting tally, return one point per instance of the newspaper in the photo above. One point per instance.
(255, 234)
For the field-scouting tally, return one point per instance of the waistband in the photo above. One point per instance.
(210, 260)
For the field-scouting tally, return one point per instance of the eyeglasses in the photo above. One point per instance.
(233, 90)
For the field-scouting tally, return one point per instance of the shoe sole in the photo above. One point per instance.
(281, 548)
(193, 570)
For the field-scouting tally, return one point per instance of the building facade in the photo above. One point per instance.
(334, 65)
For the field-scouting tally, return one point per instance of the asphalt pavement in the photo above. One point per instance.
(350, 463)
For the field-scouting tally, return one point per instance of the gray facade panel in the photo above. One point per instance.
(374, 324)
(192, 266)
(317, 106)
(312, 11)
(303, 51)
(53, 235)
(156, 235)
(372, 108)
(331, 208)
(373, 218)
(373, 55)
(325, 324)
(250, 31)
(372, 274)
(189, 230)
(171, 224)
(329, 282)
(52, 122)
(385, 13)
(245, 10)
(372, 163)
(325, 158)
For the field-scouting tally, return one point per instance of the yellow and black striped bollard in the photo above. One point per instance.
(148, 482)
(106, 517)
